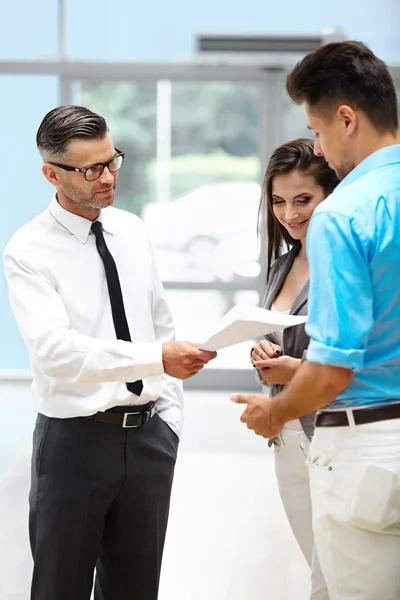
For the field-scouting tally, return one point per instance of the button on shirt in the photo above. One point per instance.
(59, 296)
(353, 247)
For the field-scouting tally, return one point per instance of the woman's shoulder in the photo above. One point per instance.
(282, 259)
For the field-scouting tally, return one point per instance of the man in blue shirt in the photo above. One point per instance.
(352, 372)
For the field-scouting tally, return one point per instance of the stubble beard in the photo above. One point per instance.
(82, 200)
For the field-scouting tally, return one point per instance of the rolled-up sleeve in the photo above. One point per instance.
(341, 297)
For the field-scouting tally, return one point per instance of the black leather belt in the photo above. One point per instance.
(135, 418)
(361, 415)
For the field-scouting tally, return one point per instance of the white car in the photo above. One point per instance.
(197, 223)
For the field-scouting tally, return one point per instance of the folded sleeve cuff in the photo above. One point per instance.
(148, 357)
(337, 357)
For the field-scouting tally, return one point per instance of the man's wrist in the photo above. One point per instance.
(278, 419)
(297, 362)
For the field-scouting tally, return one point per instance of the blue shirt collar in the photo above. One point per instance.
(380, 158)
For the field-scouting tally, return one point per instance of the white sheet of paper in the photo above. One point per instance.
(244, 323)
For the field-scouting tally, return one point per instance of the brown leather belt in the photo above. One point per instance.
(135, 418)
(361, 415)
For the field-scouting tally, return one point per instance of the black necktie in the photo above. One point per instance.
(115, 293)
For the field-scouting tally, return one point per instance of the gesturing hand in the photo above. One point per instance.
(259, 414)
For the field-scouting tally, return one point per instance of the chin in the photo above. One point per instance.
(104, 202)
(342, 171)
(109, 201)
(298, 235)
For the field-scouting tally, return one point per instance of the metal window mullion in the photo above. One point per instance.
(64, 91)
(270, 134)
(62, 30)
(139, 72)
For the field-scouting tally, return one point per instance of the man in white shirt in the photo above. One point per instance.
(91, 309)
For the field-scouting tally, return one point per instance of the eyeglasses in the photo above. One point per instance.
(95, 171)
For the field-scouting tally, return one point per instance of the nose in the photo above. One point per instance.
(106, 176)
(317, 148)
(291, 214)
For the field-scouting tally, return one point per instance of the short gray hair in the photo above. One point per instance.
(64, 124)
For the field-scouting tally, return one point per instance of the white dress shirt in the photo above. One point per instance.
(59, 296)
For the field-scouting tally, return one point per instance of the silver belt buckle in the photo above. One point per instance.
(125, 419)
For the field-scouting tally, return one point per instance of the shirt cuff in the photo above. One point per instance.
(337, 357)
(149, 358)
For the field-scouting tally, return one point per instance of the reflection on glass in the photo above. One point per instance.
(212, 229)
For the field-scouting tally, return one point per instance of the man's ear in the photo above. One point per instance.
(349, 118)
(51, 174)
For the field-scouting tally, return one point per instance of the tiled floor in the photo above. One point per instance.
(228, 538)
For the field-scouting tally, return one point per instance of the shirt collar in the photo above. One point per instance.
(385, 156)
(79, 226)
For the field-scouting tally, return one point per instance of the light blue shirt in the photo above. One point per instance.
(353, 246)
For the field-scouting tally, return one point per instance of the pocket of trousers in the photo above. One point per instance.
(356, 492)
(39, 435)
(374, 502)
(172, 436)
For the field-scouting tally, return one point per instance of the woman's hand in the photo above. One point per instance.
(264, 350)
(278, 370)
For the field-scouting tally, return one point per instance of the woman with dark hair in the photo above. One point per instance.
(296, 181)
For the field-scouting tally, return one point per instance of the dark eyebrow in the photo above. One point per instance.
(295, 197)
(303, 194)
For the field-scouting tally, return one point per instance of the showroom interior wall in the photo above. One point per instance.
(132, 31)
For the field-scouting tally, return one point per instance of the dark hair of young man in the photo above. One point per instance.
(346, 73)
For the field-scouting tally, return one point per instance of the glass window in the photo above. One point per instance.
(25, 192)
(132, 31)
(25, 34)
(294, 120)
(191, 171)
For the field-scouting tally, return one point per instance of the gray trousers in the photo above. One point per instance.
(99, 499)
